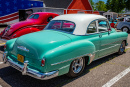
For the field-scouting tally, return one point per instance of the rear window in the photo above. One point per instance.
(61, 25)
(34, 16)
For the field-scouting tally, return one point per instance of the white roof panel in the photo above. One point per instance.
(81, 20)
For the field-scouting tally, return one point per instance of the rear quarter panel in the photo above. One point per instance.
(61, 57)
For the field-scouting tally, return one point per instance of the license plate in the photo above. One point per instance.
(20, 58)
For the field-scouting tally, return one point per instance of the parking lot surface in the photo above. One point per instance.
(110, 71)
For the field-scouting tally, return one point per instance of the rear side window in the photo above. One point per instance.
(31, 16)
(92, 27)
(34, 16)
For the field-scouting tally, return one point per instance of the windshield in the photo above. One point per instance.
(61, 25)
(34, 16)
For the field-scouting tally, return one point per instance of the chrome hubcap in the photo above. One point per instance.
(77, 65)
(125, 30)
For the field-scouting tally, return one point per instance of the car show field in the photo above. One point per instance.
(98, 74)
(65, 43)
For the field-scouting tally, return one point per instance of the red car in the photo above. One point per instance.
(35, 22)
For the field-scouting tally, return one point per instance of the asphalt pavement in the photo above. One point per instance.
(110, 71)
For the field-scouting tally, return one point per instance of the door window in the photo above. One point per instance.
(92, 27)
(103, 25)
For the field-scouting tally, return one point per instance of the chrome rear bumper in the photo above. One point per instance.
(30, 72)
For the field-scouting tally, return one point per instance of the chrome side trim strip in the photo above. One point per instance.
(103, 56)
(90, 55)
(107, 48)
(111, 43)
(64, 66)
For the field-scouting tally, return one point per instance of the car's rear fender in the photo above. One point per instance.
(24, 31)
(61, 57)
(10, 44)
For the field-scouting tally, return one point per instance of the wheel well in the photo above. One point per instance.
(86, 60)
(125, 42)
(124, 27)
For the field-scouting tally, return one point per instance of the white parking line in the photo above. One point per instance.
(1, 62)
(116, 78)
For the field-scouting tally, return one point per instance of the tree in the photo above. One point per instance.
(101, 6)
(116, 5)
(92, 4)
(127, 4)
(108, 4)
(120, 5)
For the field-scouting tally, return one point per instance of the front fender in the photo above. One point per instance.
(63, 55)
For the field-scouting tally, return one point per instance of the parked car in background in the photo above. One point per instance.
(66, 45)
(35, 22)
(124, 25)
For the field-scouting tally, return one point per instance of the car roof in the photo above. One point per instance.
(41, 12)
(81, 20)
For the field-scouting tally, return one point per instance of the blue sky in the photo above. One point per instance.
(100, 0)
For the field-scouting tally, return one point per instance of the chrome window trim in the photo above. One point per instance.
(97, 26)
(88, 26)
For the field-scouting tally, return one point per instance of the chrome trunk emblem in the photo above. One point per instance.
(23, 48)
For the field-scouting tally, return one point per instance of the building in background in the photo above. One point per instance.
(12, 11)
(110, 15)
(71, 6)
(9, 9)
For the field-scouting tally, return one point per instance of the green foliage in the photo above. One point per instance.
(92, 4)
(127, 4)
(101, 6)
(117, 5)
(108, 4)
(113, 5)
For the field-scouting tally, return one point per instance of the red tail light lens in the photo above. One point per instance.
(43, 62)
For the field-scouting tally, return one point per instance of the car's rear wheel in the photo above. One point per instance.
(125, 29)
(122, 48)
(76, 67)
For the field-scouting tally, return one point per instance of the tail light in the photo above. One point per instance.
(43, 62)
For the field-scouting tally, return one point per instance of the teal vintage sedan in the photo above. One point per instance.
(66, 45)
